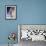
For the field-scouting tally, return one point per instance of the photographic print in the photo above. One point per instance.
(31, 33)
(10, 12)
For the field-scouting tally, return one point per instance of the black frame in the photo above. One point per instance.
(5, 11)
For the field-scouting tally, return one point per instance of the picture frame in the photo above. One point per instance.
(10, 12)
(37, 29)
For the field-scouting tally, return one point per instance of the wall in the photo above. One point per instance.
(28, 12)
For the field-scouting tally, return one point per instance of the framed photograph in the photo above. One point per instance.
(10, 12)
(33, 32)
